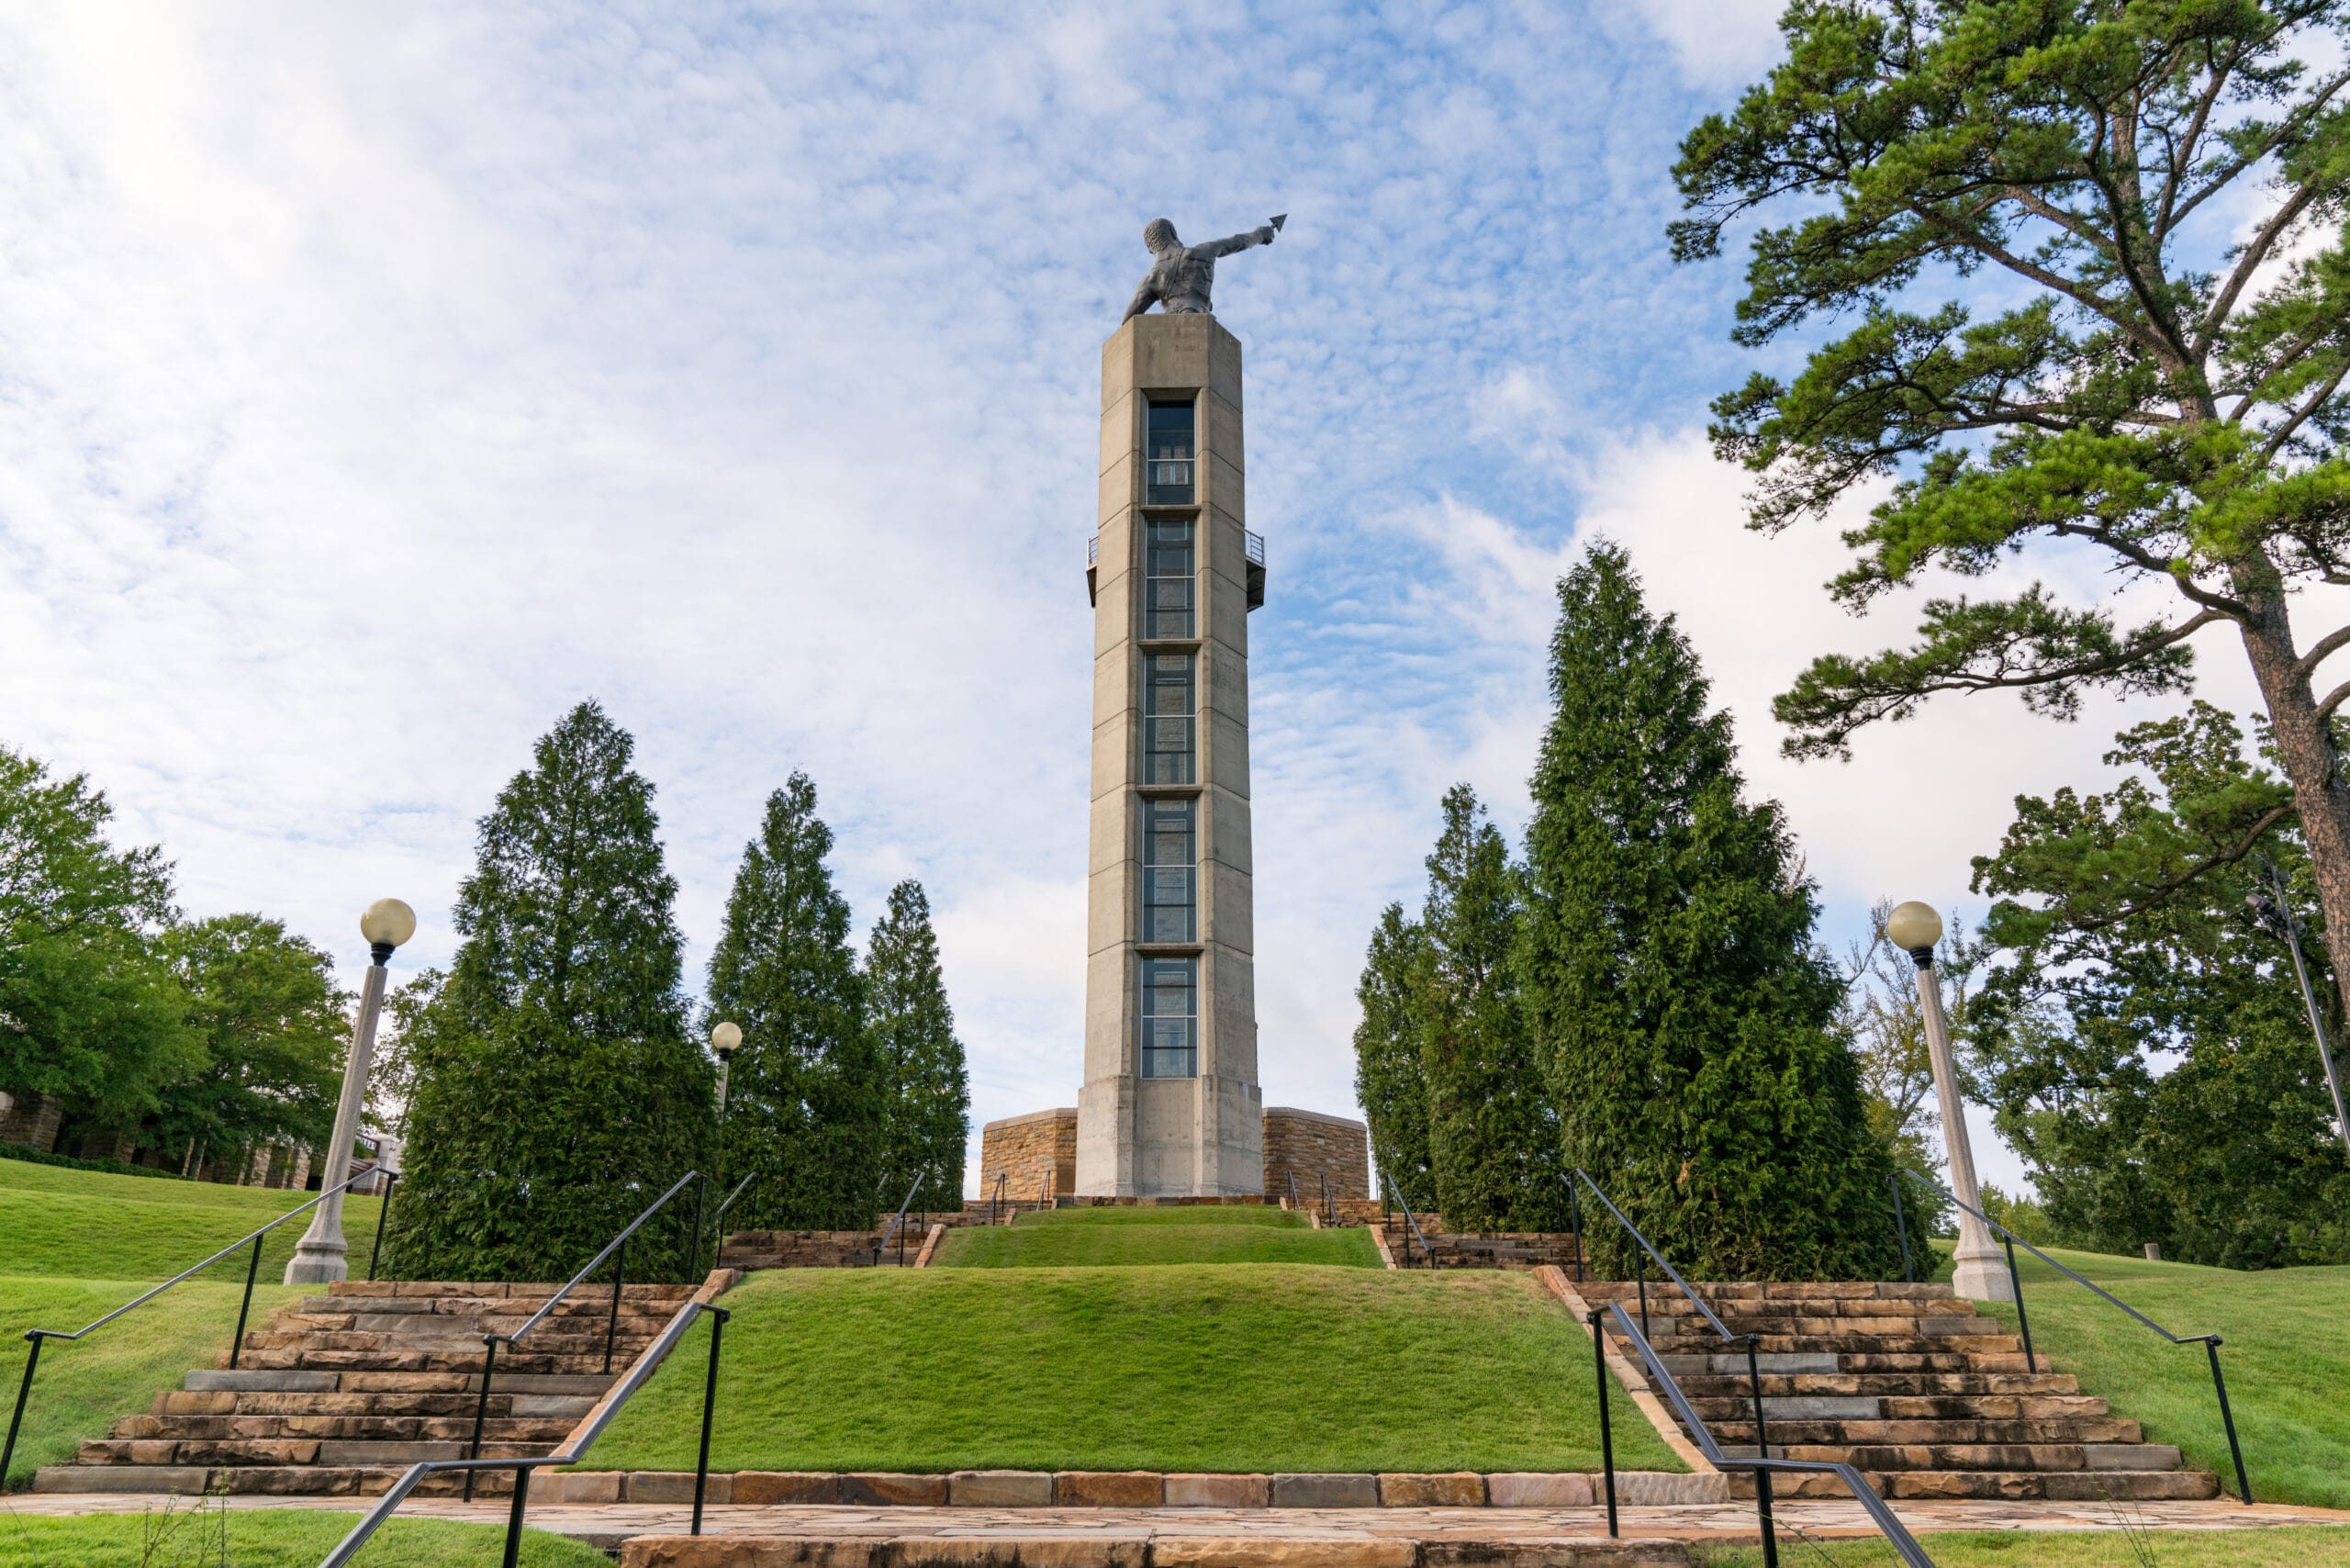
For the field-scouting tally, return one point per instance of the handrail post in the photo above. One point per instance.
(514, 1515)
(2023, 1320)
(1575, 1218)
(1606, 1437)
(718, 1316)
(24, 1390)
(612, 1324)
(1901, 1228)
(693, 1242)
(2227, 1417)
(481, 1405)
(1763, 1451)
(237, 1346)
(383, 1219)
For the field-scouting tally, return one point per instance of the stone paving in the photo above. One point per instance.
(606, 1525)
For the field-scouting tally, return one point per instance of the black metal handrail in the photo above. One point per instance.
(383, 1219)
(1329, 1205)
(236, 1345)
(572, 1452)
(1763, 1464)
(1751, 1341)
(718, 1220)
(2211, 1342)
(1292, 1189)
(1397, 1194)
(995, 1196)
(619, 1244)
(897, 1225)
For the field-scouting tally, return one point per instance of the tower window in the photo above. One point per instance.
(1167, 726)
(1171, 1018)
(1168, 573)
(1168, 454)
(1171, 872)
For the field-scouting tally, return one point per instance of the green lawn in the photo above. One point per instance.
(1148, 1236)
(80, 1388)
(2304, 1547)
(1185, 1367)
(63, 1223)
(191, 1535)
(2287, 1359)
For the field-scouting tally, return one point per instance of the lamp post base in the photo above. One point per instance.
(1983, 1278)
(319, 1263)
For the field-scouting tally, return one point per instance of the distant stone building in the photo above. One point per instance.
(1037, 1155)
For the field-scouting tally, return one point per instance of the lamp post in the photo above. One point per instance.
(319, 1258)
(2275, 916)
(1915, 928)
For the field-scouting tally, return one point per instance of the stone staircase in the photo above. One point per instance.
(1907, 1385)
(338, 1394)
(1521, 1249)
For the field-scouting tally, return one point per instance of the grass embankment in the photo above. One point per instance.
(1115, 1237)
(75, 1245)
(1187, 1366)
(92, 1224)
(2304, 1546)
(2286, 1359)
(278, 1537)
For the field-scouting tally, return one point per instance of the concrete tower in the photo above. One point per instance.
(1171, 1105)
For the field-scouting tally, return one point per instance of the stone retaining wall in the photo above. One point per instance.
(1128, 1489)
(1037, 1150)
(1308, 1145)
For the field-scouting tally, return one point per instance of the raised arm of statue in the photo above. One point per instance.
(1224, 247)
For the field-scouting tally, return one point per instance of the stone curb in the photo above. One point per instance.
(1140, 1550)
(1131, 1489)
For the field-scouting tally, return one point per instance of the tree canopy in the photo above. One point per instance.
(927, 1105)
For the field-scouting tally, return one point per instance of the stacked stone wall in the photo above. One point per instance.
(1308, 1145)
(1037, 1152)
(31, 1120)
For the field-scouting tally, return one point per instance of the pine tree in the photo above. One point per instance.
(928, 1109)
(1388, 1081)
(1683, 1011)
(1492, 1139)
(554, 1090)
(806, 1107)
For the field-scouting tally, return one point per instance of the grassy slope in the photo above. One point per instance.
(1196, 1367)
(1130, 1238)
(2302, 1546)
(80, 1388)
(91, 1224)
(2286, 1359)
(278, 1537)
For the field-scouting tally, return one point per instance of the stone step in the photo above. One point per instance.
(521, 1363)
(1984, 1456)
(1792, 1429)
(1975, 1348)
(530, 1295)
(230, 1453)
(281, 1481)
(179, 1402)
(1715, 1294)
(396, 1429)
(1716, 1413)
(1715, 1387)
(2054, 1487)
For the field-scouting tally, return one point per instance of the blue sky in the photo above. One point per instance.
(378, 381)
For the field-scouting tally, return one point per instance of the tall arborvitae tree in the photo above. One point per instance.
(807, 1102)
(927, 1115)
(1493, 1137)
(1388, 1081)
(554, 1089)
(1683, 1009)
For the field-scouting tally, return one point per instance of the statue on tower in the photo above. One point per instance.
(1182, 275)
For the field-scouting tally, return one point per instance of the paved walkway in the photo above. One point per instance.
(608, 1524)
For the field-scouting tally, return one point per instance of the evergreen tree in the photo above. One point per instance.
(1684, 1013)
(928, 1110)
(1492, 1139)
(808, 1102)
(1388, 1081)
(555, 1092)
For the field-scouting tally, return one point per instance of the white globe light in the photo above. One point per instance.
(388, 923)
(726, 1037)
(1913, 925)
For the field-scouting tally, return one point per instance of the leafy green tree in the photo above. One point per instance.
(1493, 1137)
(554, 1090)
(2121, 918)
(927, 1110)
(1389, 1084)
(1683, 1012)
(2155, 378)
(90, 1012)
(808, 1106)
(273, 1027)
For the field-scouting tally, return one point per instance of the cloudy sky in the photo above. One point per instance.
(376, 382)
